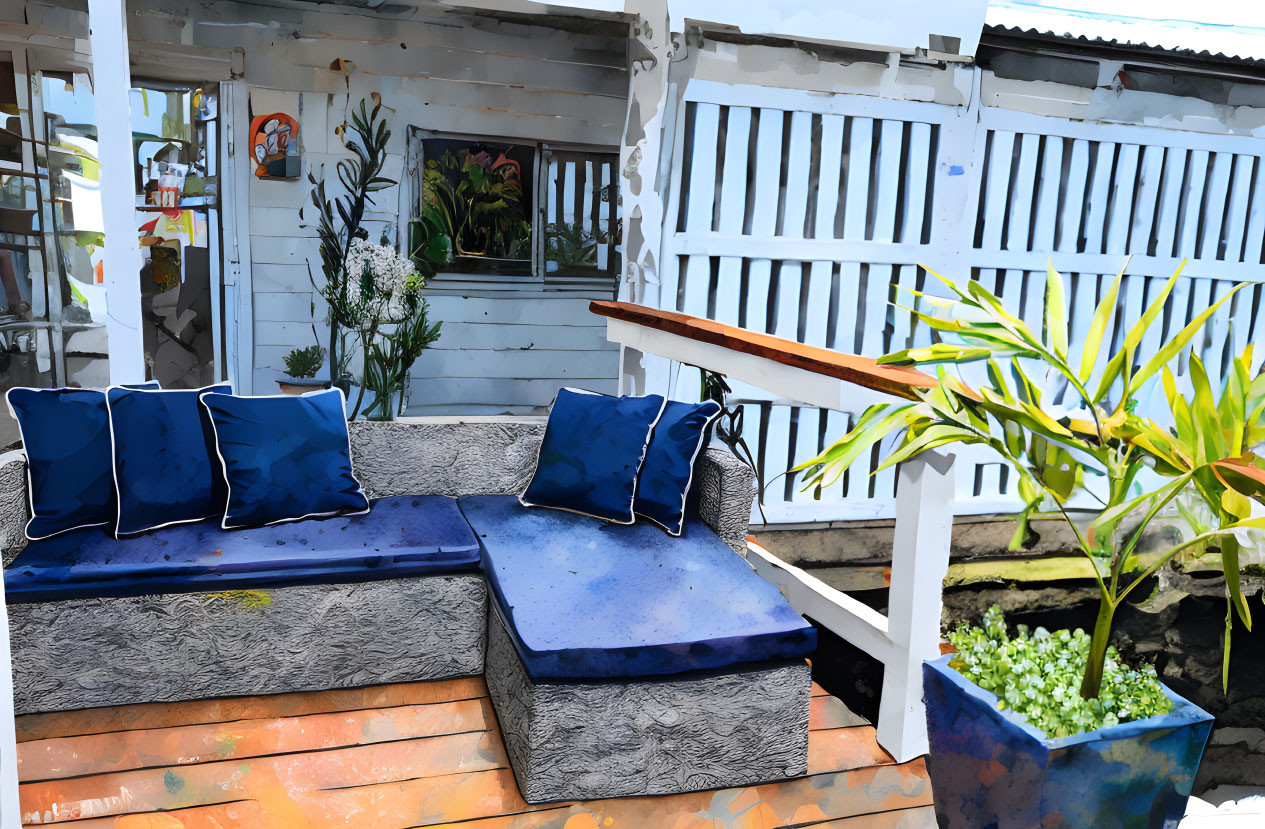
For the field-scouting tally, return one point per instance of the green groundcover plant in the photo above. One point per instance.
(1038, 676)
(1061, 420)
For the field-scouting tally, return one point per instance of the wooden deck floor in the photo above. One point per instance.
(419, 754)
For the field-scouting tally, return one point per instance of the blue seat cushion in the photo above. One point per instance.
(584, 599)
(400, 536)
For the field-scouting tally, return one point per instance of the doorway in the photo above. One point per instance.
(53, 301)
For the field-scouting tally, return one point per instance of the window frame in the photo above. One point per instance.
(538, 275)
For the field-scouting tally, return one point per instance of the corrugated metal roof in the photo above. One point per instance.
(1228, 30)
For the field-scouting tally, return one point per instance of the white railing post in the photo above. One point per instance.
(920, 561)
(10, 811)
(111, 87)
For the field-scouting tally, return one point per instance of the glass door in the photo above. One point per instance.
(52, 290)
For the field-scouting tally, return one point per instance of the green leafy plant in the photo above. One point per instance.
(373, 292)
(728, 429)
(304, 362)
(1037, 675)
(472, 205)
(388, 360)
(1100, 436)
(568, 245)
(339, 224)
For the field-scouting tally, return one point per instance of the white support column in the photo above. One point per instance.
(235, 218)
(920, 561)
(111, 78)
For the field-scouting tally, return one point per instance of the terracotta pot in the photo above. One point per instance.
(301, 385)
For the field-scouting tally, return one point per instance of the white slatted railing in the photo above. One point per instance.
(802, 215)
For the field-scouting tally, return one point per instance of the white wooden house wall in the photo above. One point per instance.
(508, 344)
(802, 214)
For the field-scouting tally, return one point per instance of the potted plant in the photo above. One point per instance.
(301, 367)
(377, 314)
(1123, 752)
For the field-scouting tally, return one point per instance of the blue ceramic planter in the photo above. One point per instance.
(990, 768)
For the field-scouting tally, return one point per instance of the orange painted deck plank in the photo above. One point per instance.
(299, 760)
(919, 817)
(790, 803)
(231, 709)
(246, 813)
(155, 747)
(840, 749)
(830, 712)
(209, 783)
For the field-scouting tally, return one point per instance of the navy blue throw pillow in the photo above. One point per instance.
(593, 449)
(69, 469)
(165, 469)
(668, 472)
(285, 458)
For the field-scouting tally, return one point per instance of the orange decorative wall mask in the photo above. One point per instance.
(274, 143)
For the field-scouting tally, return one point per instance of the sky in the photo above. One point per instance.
(1230, 27)
(1240, 13)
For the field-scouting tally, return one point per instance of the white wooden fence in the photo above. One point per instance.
(801, 214)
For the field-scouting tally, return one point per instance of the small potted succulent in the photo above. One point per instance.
(302, 364)
(1053, 729)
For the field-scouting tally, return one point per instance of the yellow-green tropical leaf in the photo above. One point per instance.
(937, 353)
(1236, 504)
(1098, 328)
(1230, 568)
(1122, 360)
(1055, 312)
(1174, 346)
(1060, 472)
(1207, 422)
(875, 423)
(933, 436)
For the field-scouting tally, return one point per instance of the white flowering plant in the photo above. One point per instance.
(379, 300)
(372, 291)
(382, 284)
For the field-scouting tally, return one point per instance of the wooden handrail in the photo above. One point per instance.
(864, 371)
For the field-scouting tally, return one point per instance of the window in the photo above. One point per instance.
(509, 208)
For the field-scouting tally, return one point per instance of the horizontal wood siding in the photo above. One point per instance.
(510, 352)
(508, 347)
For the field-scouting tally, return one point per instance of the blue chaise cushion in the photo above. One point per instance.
(401, 536)
(593, 448)
(69, 468)
(165, 469)
(668, 472)
(285, 457)
(588, 600)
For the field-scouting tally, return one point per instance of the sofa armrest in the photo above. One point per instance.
(726, 488)
(13, 505)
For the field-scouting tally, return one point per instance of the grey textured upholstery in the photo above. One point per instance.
(109, 651)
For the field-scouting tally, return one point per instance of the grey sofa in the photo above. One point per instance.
(735, 725)
(111, 651)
